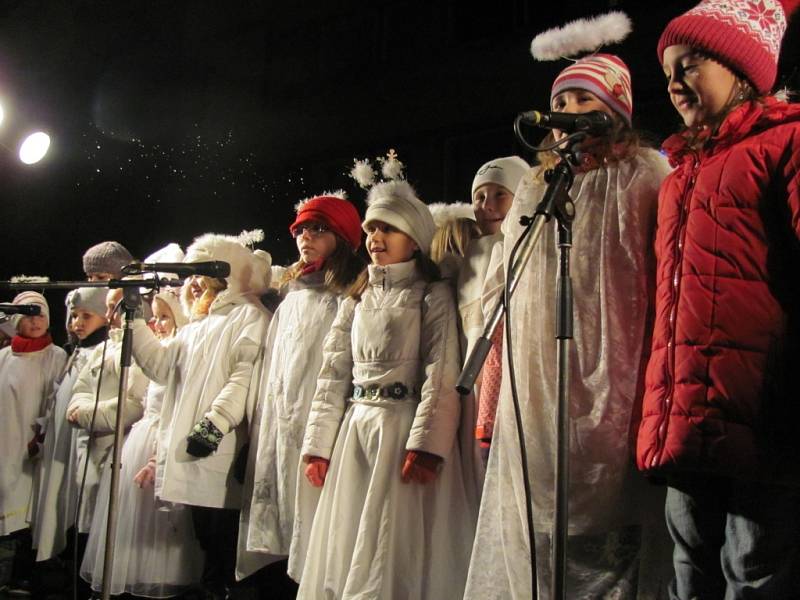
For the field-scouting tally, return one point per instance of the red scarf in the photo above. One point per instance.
(313, 267)
(21, 345)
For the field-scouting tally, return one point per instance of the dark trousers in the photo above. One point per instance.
(217, 531)
(734, 540)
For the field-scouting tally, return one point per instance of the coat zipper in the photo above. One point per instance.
(661, 432)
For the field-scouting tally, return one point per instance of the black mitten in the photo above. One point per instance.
(204, 439)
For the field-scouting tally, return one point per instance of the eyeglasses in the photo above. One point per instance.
(313, 229)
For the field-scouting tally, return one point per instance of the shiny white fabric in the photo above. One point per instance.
(615, 216)
(207, 369)
(283, 504)
(57, 487)
(155, 554)
(373, 535)
(84, 395)
(27, 380)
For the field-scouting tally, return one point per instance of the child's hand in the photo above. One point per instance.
(146, 475)
(317, 470)
(34, 445)
(421, 467)
(72, 416)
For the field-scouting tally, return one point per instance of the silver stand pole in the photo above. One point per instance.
(131, 301)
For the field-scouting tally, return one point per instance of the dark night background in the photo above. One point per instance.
(170, 119)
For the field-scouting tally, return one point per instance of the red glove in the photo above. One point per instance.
(34, 446)
(316, 470)
(419, 466)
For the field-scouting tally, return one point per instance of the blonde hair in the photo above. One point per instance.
(453, 237)
(200, 307)
(340, 268)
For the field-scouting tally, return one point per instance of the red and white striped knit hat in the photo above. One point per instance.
(606, 76)
(745, 35)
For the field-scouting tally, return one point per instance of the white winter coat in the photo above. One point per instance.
(283, 504)
(207, 369)
(615, 217)
(26, 381)
(373, 535)
(84, 394)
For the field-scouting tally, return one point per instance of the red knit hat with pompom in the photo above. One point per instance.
(745, 35)
(335, 212)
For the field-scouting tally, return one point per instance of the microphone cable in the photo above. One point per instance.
(523, 452)
(575, 136)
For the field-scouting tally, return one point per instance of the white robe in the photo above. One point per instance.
(471, 281)
(156, 554)
(27, 380)
(373, 535)
(57, 489)
(611, 273)
(208, 369)
(283, 504)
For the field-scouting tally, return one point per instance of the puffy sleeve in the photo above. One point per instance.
(230, 406)
(155, 359)
(333, 385)
(437, 415)
(84, 393)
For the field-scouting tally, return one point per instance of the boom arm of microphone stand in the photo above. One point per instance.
(558, 184)
(71, 285)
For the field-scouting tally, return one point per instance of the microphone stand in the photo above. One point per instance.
(131, 301)
(555, 203)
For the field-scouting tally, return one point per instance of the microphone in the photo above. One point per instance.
(31, 310)
(594, 122)
(212, 268)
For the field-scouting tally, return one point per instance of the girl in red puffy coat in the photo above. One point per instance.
(720, 407)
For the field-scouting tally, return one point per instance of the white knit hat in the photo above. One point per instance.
(92, 299)
(506, 171)
(31, 298)
(250, 270)
(396, 203)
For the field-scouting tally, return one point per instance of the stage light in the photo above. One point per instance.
(34, 148)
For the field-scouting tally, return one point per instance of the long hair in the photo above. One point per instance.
(340, 268)
(453, 238)
(428, 269)
(200, 307)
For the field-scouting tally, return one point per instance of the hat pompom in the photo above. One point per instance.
(363, 173)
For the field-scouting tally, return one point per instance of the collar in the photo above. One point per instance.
(94, 338)
(395, 275)
(745, 120)
(312, 280)
(23, 345)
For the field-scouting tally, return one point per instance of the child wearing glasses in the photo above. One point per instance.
(327, 231)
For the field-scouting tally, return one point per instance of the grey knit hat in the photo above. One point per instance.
(106, 257)
(92, 299)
